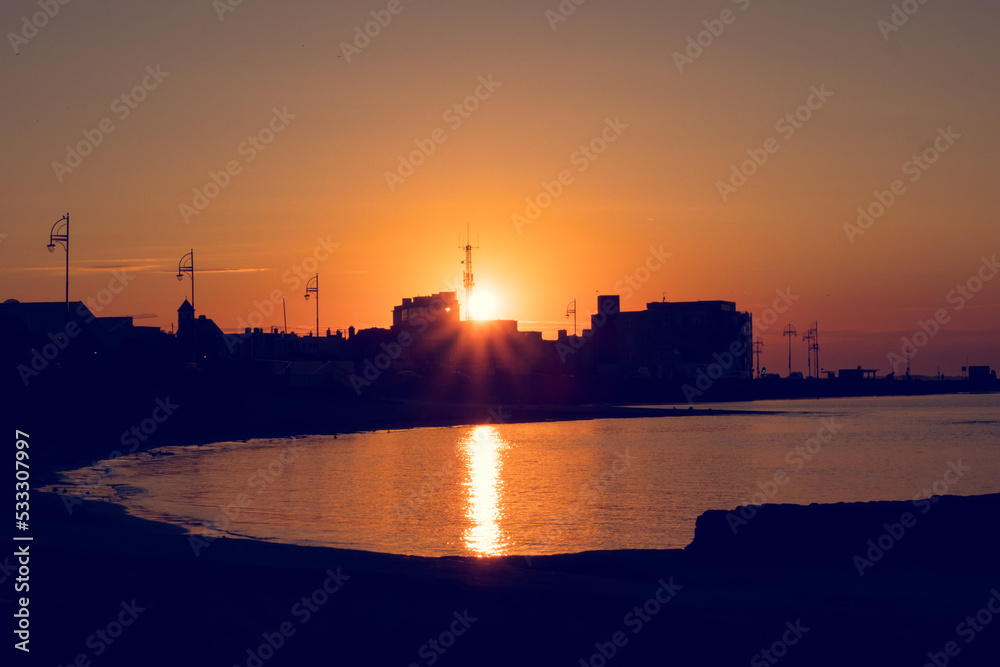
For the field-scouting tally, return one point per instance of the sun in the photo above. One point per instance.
(484, 305)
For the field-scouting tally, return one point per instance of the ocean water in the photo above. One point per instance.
(559, 487)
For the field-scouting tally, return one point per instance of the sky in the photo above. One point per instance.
(671, 150)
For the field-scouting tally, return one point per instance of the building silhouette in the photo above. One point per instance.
(428, 351)
(198, 338)
(672, 340)
(439, 311)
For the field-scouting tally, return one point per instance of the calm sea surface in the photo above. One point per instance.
(559, 487)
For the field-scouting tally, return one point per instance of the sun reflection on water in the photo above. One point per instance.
(482, 449)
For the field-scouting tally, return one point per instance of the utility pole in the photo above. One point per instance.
(811, 337)
(758, 349)
(815, 345)
(791, 333)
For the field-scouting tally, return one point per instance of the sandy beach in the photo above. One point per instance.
(110, 589)
(786, 583)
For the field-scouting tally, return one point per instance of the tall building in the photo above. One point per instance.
(438, 311)
(198, 338)
(672, 340)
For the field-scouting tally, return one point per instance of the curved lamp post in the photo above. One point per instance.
(183, 268)
(312, 287)
(60, 234)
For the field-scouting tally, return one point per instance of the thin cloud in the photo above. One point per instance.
(88, 266)
(197, 270)
(104, 268)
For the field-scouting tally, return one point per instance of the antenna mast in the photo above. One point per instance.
(758, 349)
(467, 280)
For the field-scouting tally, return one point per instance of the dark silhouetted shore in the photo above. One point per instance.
(786, 582)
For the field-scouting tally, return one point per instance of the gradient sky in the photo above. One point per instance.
(324, 174)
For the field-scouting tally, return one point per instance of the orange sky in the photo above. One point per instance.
(551, 88)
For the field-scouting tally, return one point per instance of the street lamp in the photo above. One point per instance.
(312, 287)
(60, 234)
(571, 310)
(183, 268)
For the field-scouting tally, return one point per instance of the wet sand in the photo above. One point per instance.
(786, 583)
(110, 589)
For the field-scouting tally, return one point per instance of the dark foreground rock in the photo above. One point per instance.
(109, 589)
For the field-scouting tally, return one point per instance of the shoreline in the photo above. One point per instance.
(200, 419)
(721, 600)
(91, 484)
(792, 563)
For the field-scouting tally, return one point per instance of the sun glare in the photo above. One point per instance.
(483, 449)
(484, 305)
